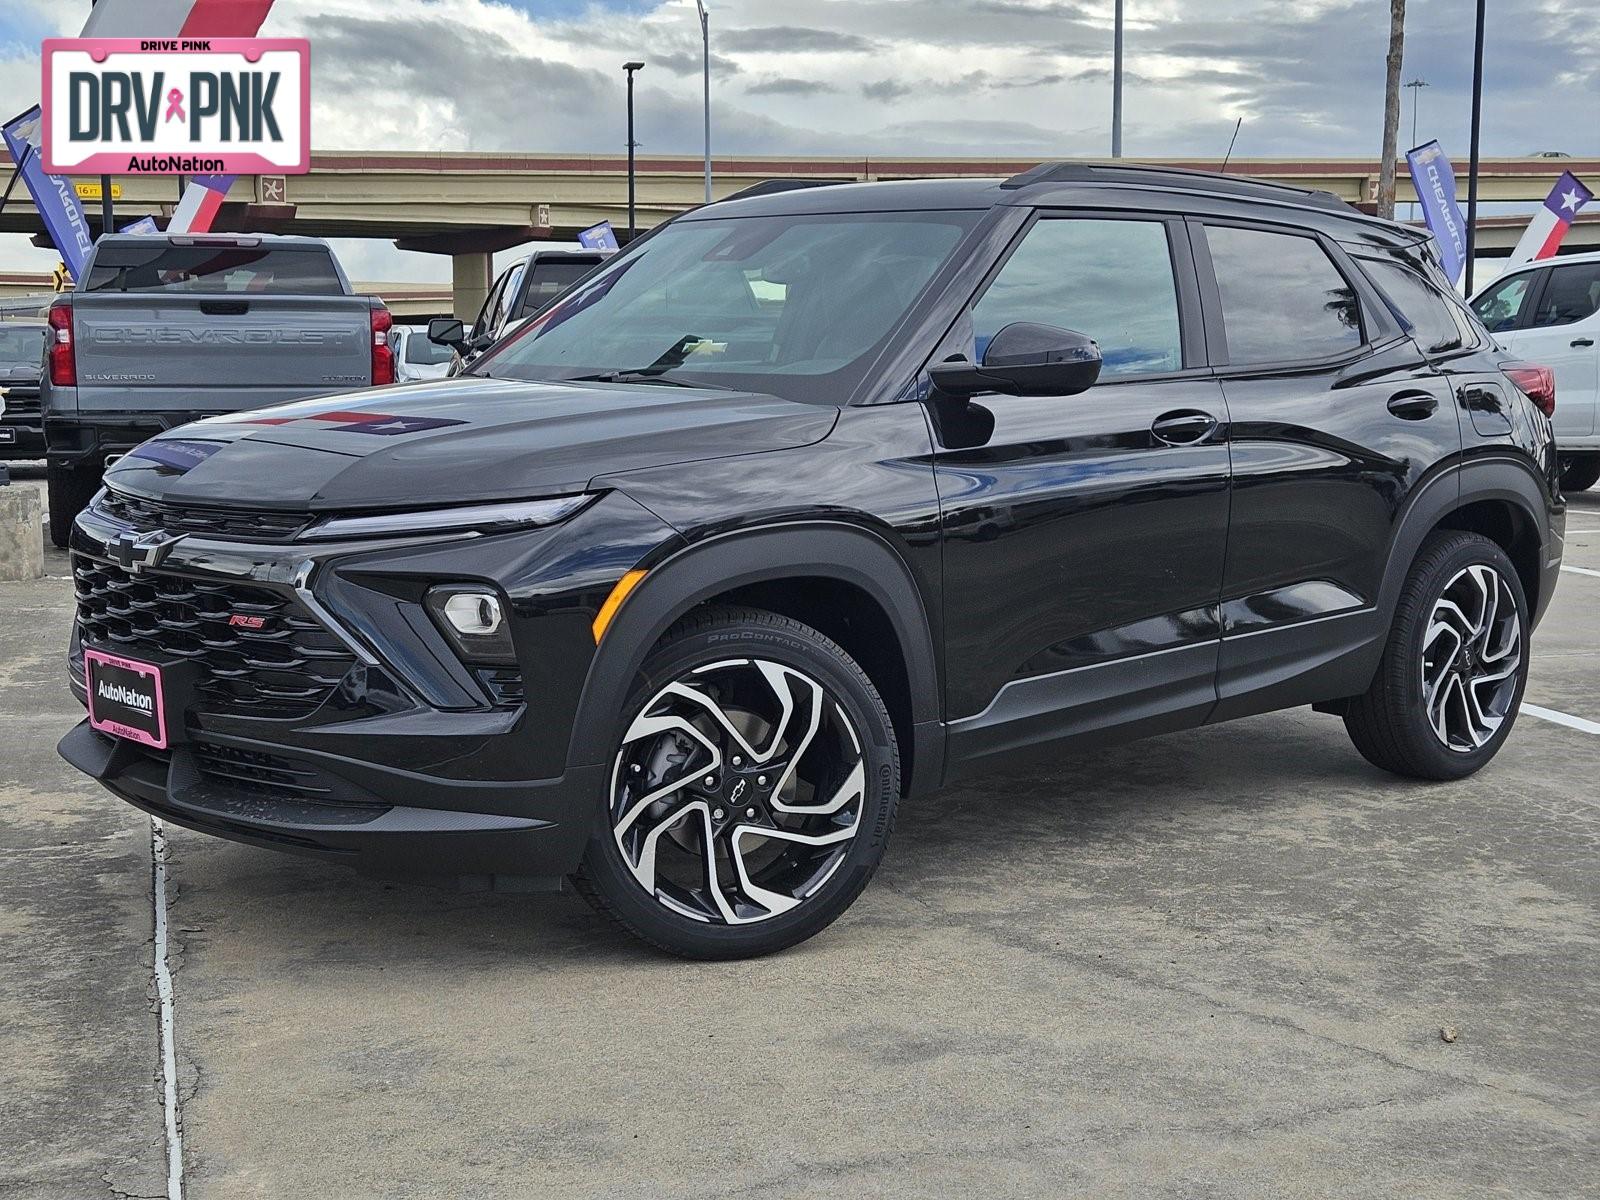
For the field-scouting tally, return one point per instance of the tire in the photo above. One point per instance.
(68, 490)
(1579, 472)
(724, 781)
(1447, 640)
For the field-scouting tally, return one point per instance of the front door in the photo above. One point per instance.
(1084, 535)
(1563, 333)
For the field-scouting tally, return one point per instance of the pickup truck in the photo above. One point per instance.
(526, 287)
(21, 360)
(161, 331)
(1548, 311)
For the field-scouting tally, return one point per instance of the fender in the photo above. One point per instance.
(1504, 477)
(832, 549)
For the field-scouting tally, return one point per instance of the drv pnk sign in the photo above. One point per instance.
(170, 106)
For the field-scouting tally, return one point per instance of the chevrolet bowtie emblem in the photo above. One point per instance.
(136, 551)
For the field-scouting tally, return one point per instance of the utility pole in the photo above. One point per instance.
(628, 68)
(1116, 84)
(1472, 169)
(107, 210)
(1391, 108)
(705, 42)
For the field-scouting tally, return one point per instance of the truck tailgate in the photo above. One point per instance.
(158, 351)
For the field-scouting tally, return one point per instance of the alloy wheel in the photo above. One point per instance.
(1471, 658)
(737, 791)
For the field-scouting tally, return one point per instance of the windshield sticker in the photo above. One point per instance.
(179, 456)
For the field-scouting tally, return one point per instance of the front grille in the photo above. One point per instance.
(147, 515)
(286, 665)
(22, 401)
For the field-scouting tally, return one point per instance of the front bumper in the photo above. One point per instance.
(443, 837)
(402, 761)
(21, 437)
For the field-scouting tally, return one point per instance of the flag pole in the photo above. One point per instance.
(1472, 169)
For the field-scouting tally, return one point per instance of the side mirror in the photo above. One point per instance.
(447, 331)
(1025, 359)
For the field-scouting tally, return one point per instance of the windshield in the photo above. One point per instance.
(22, 344)
(796, 306)
(548, 278)
(420, 352)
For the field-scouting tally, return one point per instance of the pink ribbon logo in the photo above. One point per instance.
(175, 105)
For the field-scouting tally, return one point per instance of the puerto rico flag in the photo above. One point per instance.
(1552, 220)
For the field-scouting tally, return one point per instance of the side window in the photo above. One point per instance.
(1283, 299)
(1572, 294)
(1500, 307)
(491, 304)
(1109, 279)
(507, 298)
(1432, 320)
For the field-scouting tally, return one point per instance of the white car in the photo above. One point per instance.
(1549, 313)
(415, 357)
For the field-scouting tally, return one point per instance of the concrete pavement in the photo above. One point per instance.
(1212, 964)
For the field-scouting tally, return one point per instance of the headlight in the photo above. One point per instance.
(480, 518)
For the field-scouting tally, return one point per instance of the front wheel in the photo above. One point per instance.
(1452, 675)
(1579, 472)
(752, 791)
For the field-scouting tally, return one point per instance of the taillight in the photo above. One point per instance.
(63, 360)
(382, 352)
(1536, 383)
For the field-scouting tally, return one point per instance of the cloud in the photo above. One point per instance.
(779, 85)
(792, 39)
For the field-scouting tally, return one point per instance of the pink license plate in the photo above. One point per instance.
(125, 698)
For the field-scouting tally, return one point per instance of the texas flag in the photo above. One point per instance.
(1552, 220)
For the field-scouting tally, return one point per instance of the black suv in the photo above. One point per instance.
(810, 501)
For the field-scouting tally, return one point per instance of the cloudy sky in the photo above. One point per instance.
(1023, 77)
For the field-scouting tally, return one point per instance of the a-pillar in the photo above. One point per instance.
(470, 276)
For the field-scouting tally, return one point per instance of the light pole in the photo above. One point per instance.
(628, 68)
(1472, 170)
(1116, 85)
(705, 43)
(1416, 86)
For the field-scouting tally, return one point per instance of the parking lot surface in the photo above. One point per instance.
(1211, 964)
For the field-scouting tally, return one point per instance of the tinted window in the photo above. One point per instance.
(1282, 298)
(1572, 294)
(260, 270)
(1109, 279)
(21, 344)
(1430, 315)
(1501, 306)
(491, 302)
(549, 279)
(795, 305)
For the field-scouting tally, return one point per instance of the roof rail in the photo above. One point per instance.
(1206, 181)
(771, 187)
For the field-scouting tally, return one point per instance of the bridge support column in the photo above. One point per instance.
(470, 277)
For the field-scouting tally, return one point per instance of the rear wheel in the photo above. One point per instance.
(752, 792)
(68, 490)
(1452, 674)
(1579, 472)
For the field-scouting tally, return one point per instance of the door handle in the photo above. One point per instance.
(1413, 406)
(1184, 427)
(1583, 341)
(225, 308)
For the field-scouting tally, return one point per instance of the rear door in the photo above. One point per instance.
(1336, 417)
(1084, 535)
(1562, 331)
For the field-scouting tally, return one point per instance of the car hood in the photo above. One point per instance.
(455, 440)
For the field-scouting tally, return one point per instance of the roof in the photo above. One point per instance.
(282, 241)
(1064, 182)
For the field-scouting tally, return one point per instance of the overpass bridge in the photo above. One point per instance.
(469, 205)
